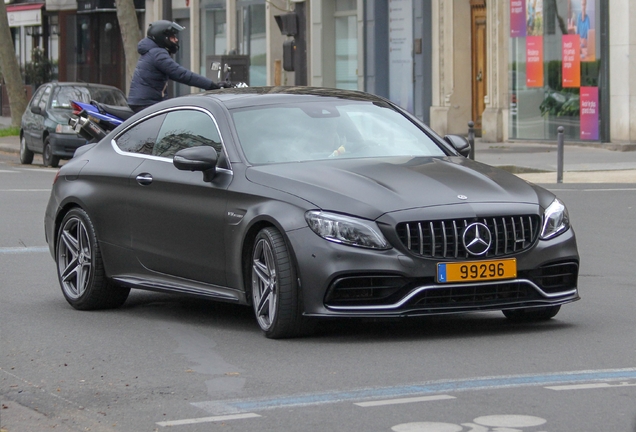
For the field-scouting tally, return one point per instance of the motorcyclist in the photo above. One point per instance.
(155, 66)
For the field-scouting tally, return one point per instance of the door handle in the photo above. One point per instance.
(144, 179)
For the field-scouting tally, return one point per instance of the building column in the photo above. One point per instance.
(451, 105)
(442, 60)
(622, 40)
(495, 117)
(195, 40)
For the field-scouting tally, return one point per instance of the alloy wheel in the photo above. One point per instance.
(74, 258)
(264, 284)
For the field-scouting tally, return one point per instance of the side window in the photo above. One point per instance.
(38, 96)
(45, 98)
(141, 138)
(187, 128)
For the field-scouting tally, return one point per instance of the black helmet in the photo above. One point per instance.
(160, 32)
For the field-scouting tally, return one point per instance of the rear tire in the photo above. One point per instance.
(532, 314)
(80, 267)
(26, 155)
(47, 155)
(275, 292)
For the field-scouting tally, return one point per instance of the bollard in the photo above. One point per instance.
(471, 139)
(560, 144)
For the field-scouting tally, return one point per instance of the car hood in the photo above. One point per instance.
(370, 188)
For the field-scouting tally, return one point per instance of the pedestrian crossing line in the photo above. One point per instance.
(207, 419)
(403, 400)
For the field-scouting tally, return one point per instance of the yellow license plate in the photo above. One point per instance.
(472, 271)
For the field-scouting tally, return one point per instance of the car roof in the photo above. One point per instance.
(81, 84)
(253, 96)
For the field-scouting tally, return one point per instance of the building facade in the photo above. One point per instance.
(518, 69)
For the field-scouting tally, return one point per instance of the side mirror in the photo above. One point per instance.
(459, 143)
(201, 158)
(36, 110)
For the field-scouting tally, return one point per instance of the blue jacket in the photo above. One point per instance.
(155, 66)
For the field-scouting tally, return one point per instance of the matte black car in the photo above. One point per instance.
(305, 203)
(45, 129)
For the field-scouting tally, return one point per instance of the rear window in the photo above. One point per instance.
(63, 95)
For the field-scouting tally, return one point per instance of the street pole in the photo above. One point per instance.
(560, 144)
(471, 139)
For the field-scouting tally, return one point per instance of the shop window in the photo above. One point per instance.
(251, 39)
(555, 69)
(213, 31)
(346, 45)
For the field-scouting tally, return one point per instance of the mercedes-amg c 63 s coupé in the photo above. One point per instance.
(305, 203)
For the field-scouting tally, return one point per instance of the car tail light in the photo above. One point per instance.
(76, 108)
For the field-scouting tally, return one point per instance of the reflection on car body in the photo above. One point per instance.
(306, 204)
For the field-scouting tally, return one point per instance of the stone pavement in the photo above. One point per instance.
(535, 162)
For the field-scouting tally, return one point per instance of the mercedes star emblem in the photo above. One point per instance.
(477, 238)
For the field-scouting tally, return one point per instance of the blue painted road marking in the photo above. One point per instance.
(444, 386)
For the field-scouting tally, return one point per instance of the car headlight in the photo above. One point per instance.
(346, 230)
(555, 220)
(64, 129)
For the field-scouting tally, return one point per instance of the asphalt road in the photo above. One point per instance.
(166, 362)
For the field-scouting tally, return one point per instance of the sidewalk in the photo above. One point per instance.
(535, 162)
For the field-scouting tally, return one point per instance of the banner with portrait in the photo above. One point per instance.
(581, 22)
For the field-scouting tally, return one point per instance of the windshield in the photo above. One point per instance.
(311, 131)
(63, 95)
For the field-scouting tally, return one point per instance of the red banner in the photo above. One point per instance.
(589, 113)
(571, 64)
(517, 18)
(534, 61)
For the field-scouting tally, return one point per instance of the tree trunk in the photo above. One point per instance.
(130, 35)
(11, 70)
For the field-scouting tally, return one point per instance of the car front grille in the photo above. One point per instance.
(443, 238)
(475, 295)
(395, 293)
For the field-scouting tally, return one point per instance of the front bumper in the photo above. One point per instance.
(342, 281)
(64, 145)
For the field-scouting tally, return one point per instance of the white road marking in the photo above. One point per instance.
(590, 386)
(207, 419)
(8, 172)
(403, 400)
(44, 170)
(25, 190)
(23, 250)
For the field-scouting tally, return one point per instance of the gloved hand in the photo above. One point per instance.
(214, 86)
(225, 84)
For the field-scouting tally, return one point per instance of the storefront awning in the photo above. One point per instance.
(92, 6)
(61, 5)
(25, 14)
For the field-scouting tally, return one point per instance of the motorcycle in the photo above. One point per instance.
(94, 120)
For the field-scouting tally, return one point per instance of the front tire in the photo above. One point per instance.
(47, 155)
(275, 293)
(26, 155)
(532, 314)
(80, 268)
